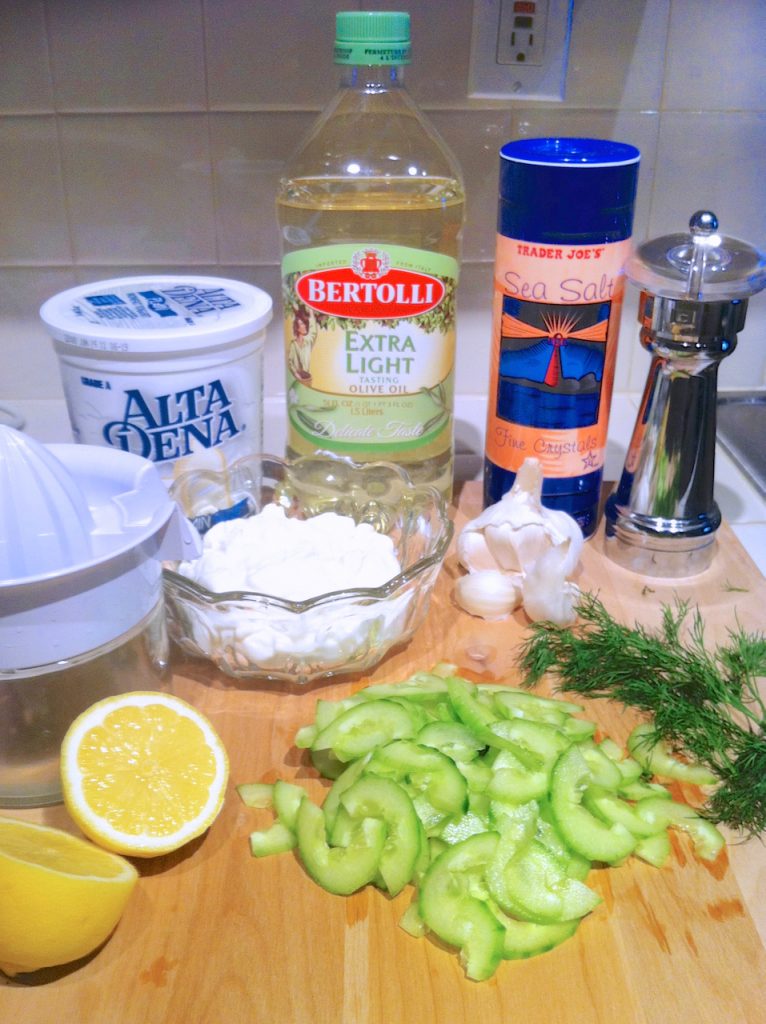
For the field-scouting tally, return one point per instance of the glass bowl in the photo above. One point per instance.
(253, 634)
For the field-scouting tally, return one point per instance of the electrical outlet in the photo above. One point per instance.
(521, 32)
(519, 49)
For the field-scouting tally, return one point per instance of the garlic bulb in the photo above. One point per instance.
(489, 593)
(535, 547)
(514, 532)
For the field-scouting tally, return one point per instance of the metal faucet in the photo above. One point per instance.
(662, 519)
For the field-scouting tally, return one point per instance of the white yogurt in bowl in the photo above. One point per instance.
(296, 559)
(309, 569)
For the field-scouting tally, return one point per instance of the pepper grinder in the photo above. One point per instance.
(662, 518)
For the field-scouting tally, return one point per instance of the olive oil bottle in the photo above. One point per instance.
(370, 211)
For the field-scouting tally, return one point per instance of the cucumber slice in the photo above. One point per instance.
(586, 834)
(420, 686)
(458, 829)
(508, 705)
(524, 939)
(287, 800)
(655, 849)
(422, 771)
(578, 729)
(532, 885)
(459, 918)
(433, 821)
(612, 809)
(256, 794)
(603, 770)
(412, 922)
(373, 797)
(611, 749)
(533, 703)
(516, 836)
(641, 790)
(278, 838)
(327, 764)
(630, 769)
(514, 822)
(655, 757)
(575, 865)
(326, 711)
(343, 782)
(451, 738)
(465, 700)
(477, 774)
(708, 841)
(338, 869)
(517, 785)
(363, 727)
(544, 741)
(305, 736)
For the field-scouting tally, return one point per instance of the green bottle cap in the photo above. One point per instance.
(372, 37)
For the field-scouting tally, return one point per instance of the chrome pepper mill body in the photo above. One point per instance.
(662, 518)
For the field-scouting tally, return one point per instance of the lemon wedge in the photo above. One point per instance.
(143, 773)
(60, 896)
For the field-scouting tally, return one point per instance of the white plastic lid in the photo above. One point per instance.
(159, 314)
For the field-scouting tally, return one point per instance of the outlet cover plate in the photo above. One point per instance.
(519, 49)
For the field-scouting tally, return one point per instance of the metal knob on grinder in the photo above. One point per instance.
(661, 519)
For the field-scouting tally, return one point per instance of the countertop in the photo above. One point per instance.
(213, 936)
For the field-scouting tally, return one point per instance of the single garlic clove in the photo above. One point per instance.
(473, 553)
(489, 594)
(563, 527)
(547, 595)
(516, 548)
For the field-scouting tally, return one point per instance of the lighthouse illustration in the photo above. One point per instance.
(551, 362)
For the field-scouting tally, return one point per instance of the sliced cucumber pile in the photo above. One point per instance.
(492, 802)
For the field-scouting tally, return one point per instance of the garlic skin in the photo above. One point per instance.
(536, 546)
(489, 593)
(547, 595)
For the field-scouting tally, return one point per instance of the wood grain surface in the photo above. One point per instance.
(213, 936)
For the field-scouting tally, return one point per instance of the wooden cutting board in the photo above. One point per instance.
(213, 936)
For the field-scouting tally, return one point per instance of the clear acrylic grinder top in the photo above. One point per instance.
(701, 265)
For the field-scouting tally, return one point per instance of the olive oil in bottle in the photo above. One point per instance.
(371, 213)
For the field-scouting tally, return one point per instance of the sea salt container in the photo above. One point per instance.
(83, 534)
(166, 367)
(565, 218)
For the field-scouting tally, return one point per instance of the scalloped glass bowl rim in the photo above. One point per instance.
(197, 591)
(368, 593)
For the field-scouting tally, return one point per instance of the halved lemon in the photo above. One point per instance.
(60, 896)
(143, 773)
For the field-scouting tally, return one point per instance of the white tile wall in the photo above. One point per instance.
(144, 134)
(26, 86)
(139, 55)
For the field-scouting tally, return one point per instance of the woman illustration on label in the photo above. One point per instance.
(551, 363)
(301, 344)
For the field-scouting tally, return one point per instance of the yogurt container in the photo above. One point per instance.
(166, 367)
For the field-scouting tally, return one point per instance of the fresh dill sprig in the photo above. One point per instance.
(730, 588)
(705, 703)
